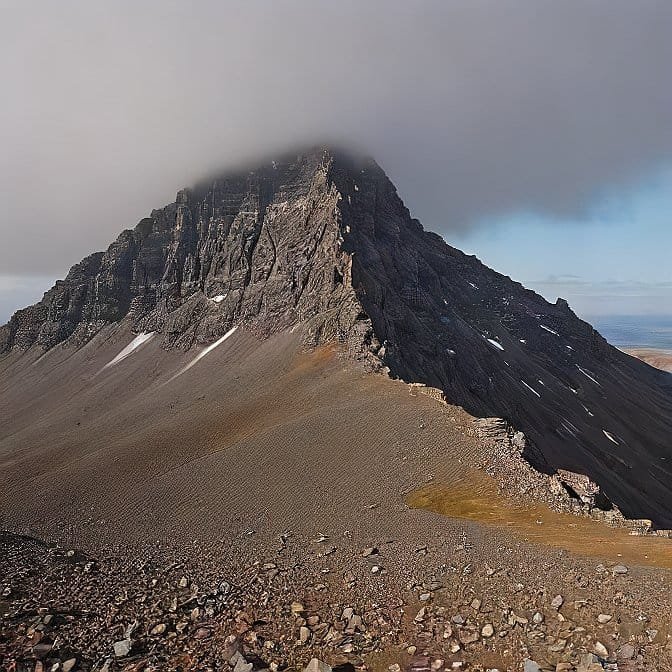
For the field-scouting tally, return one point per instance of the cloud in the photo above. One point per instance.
(591, 299)
(472, 107)
(23, 290)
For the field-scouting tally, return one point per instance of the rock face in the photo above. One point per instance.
(262, 249)
(322, 240)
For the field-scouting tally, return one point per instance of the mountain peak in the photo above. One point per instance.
(318, 241)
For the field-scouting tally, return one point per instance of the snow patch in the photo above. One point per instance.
(497, 344)
(549, 330)
(473, 285)
(204, 352)
(523, 341)
(587, 375)
(569, 427)
(450, 351)
(219, 298)
(587, 410)
(610, 437)
(141, 338)
(531, 389)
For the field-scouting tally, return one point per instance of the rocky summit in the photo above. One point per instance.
(319, 242)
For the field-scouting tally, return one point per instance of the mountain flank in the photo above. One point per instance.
(320, 243)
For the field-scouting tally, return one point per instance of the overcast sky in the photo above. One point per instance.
(536, 134)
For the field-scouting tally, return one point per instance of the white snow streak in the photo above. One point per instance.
(204, 352)
(587, 410)
(569, 427)
(531, 389)
(219, 298)
(587, 375)
(610, 437)
(133, 345)
(549, 330)
(498, 345)
(473, 285)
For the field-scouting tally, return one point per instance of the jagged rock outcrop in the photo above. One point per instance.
(262, 249)
(322, 240)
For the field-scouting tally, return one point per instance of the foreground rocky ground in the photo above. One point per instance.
(388, 607)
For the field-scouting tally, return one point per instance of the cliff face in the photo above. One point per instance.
(323, 240)
(261, 249)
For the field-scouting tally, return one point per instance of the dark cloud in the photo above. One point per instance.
(472, 107)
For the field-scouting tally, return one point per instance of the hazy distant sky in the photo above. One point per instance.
(536, 134)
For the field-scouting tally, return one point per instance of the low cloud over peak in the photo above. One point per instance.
(473, 108)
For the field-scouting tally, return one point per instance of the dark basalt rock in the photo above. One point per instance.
(322, 239)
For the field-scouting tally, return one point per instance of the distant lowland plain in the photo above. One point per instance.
(648, 337)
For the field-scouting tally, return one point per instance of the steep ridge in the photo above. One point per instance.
(322, 240)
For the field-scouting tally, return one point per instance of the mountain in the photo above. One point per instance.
(319, 243)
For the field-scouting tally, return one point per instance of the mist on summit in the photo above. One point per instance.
(475, 109)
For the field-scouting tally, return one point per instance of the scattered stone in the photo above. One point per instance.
(468, 636)
(619, 569)
(531, 666)
(557, 601)
(488, 630)
(69, 665)
(242, 665)
(589, 663)
(42, 649)
(158, 629)
(626, 652)
(601, 650)
(316, 665)
(122, 648)
(604, 618)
